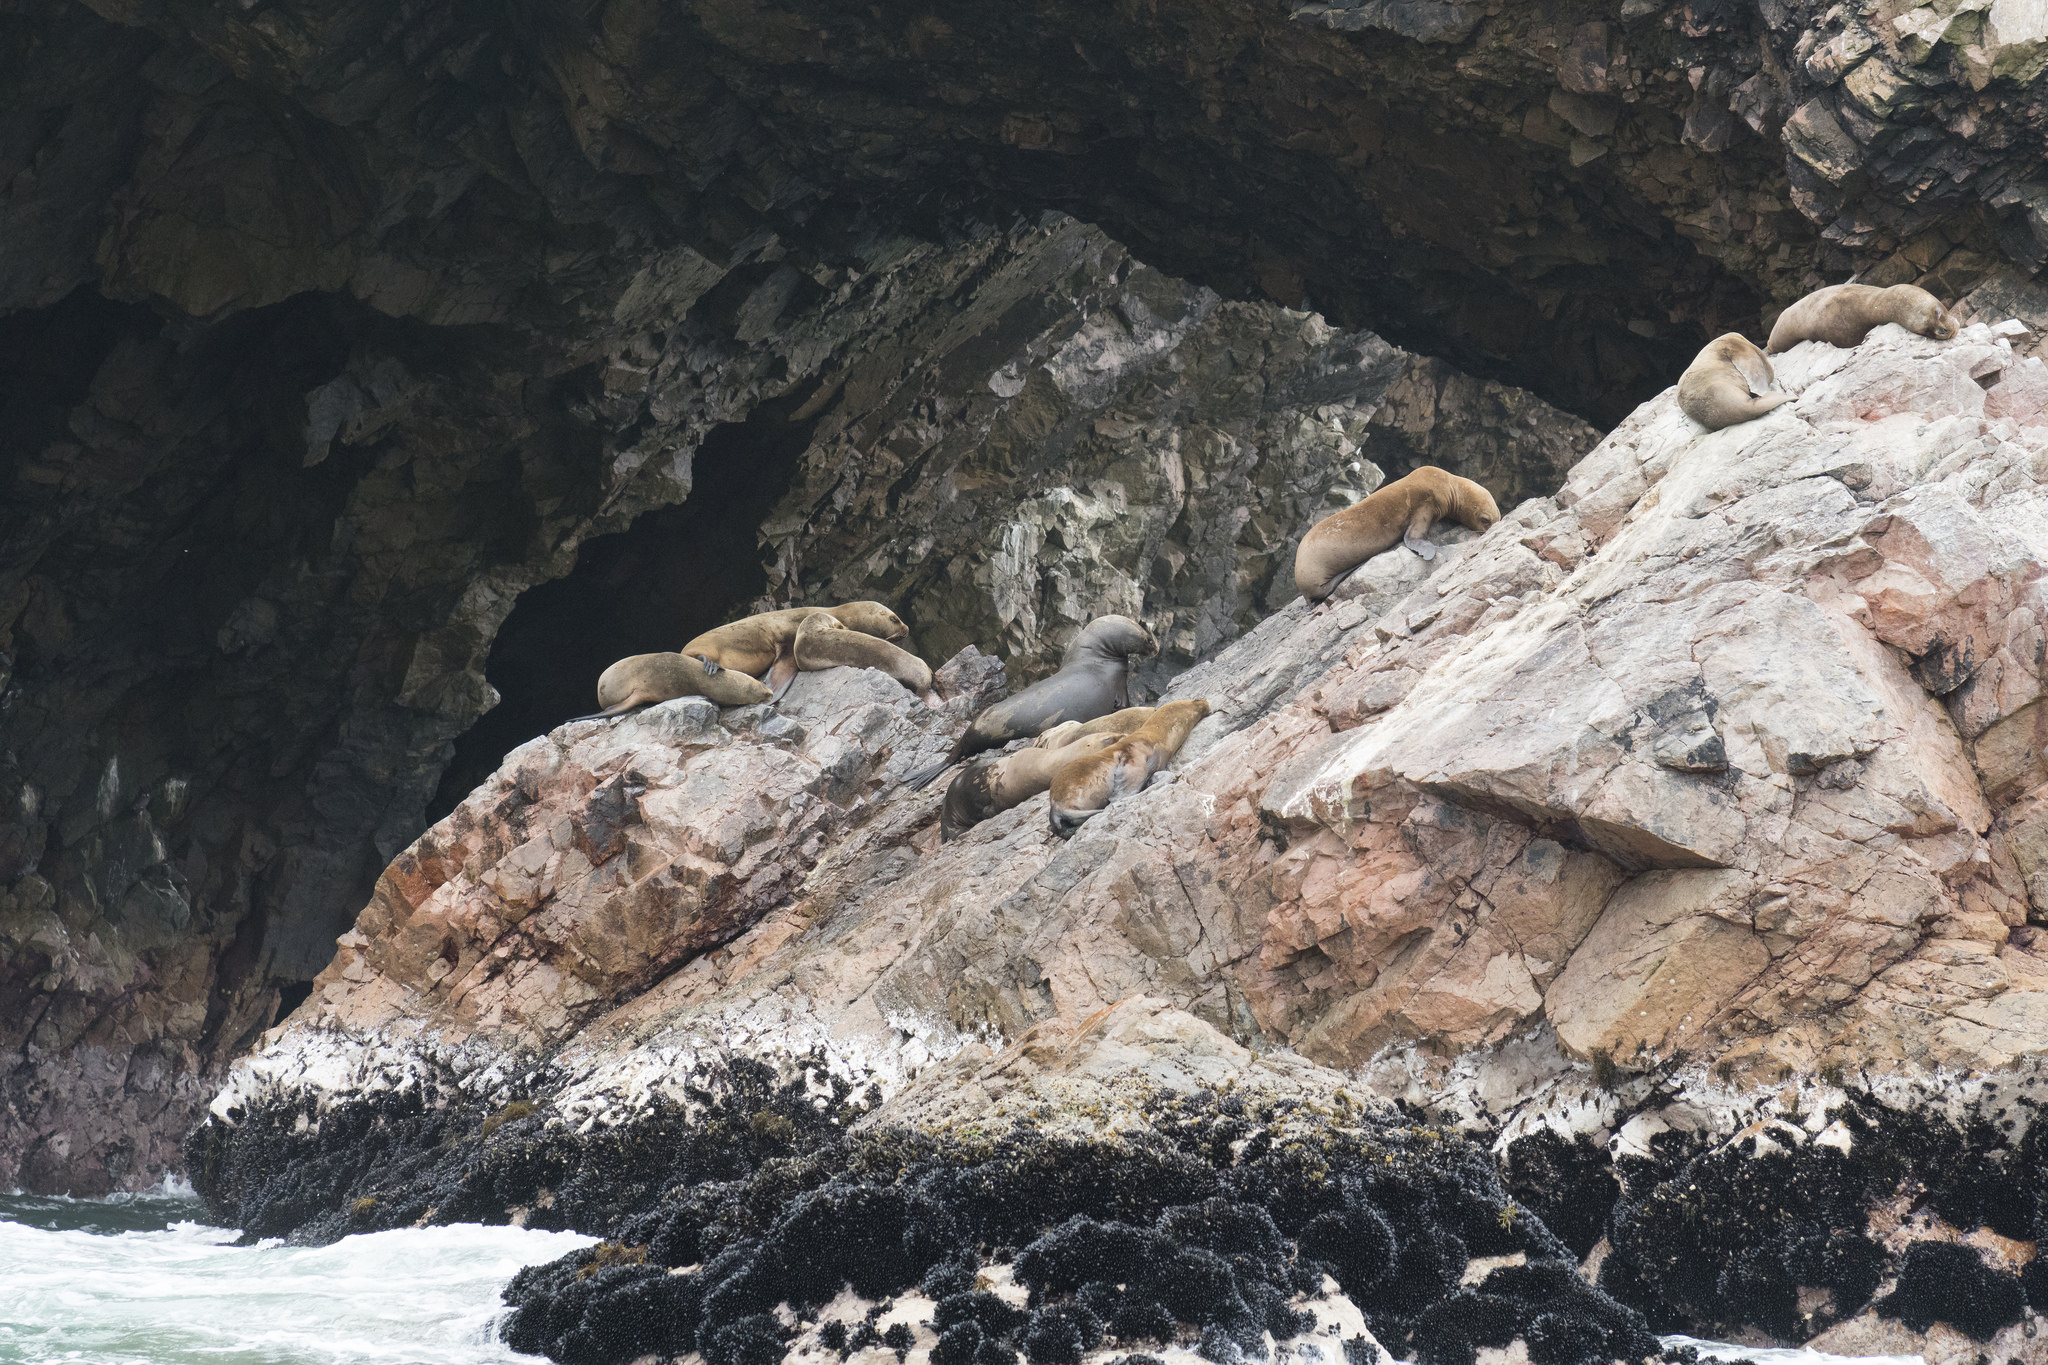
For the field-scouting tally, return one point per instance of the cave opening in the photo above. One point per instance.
(291, 995)
(675, 572)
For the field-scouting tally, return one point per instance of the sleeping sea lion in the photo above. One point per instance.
(1843, 314)
(1088, 784)
(824, 641)
(752, 644)
(1115, 723)
(643, 679)
(1400, 513)
(1716, 389)
(1093, 681)
(990, 786)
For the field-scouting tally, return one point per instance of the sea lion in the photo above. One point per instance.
(1400, 513)
(1716, 389)
(1088, 784)
(990, 786)
(643, 679)
(1116, 723)
(753, 644)
(1093, 680)
(824, 641)
(1843, 314)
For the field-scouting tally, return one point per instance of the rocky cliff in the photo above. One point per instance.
(374, 375)
(1676, 837)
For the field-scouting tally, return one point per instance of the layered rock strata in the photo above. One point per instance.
(1674, 835)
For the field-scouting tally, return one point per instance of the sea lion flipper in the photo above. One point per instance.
(781, 674)
(1421, 547)
(711, 668)
(922, 778)
(613, 711)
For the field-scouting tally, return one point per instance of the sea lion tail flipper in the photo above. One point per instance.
(615, 709)
(711, 666)
(922, 778)
(1065, 822)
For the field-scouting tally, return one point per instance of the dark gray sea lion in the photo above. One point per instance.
(1093, 680)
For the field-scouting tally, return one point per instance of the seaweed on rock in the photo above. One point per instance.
(425, 1154)
(1187, 1235)
(1948, 1282)
(1715, 1240)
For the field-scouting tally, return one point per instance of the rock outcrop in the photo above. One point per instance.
(1006, 437)
(1679, 834)
(337, 348)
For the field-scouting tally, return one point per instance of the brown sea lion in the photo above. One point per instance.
(1728, 382)
(1399, 514)
(824, 641)
(990, 786)
(1843, 314)
(643, 679)
(1088, 784)
(1115, 723)
(752, 644)
(1093, 681)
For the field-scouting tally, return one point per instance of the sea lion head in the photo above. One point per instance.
(1478, 510)
(1919, 311)
(871, 618)
(1118, 637)
(969, 800)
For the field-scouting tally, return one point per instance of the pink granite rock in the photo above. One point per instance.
(1732, 754)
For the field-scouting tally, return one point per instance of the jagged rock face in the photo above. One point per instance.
(1717, 769)
(1563, 196)
(332, 334)
(1711, 758)
(1727, 753)
(213, 770)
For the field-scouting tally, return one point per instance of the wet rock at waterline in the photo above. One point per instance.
(1586, 838)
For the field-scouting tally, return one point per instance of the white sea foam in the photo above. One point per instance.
(1768, 1355)
(183, 1293)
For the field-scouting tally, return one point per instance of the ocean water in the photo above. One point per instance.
(138, 1280)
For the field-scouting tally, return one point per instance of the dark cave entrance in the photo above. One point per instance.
(674, 572)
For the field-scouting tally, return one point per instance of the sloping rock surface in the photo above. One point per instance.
(1728, 752)
(1720, 767)
(1005, 436)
